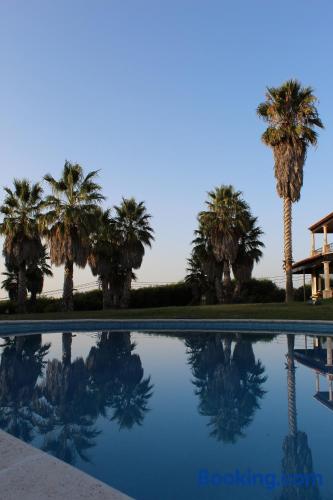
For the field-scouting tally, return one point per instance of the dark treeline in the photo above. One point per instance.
(69, 227)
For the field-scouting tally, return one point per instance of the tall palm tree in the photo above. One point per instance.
(20, 226)
(291, 113)
(224, 222)
(249, 252)
(69, 221)
(134, 233)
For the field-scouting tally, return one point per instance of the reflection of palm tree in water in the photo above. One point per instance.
(297, 456)
(117, 376)
(68, 406)
(21, 364)
(229, 384)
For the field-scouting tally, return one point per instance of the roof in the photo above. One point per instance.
(311, 263)
(318, 226)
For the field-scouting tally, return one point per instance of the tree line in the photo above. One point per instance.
(228, 236)
(71, 225)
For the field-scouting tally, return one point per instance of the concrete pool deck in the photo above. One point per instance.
(27, 473)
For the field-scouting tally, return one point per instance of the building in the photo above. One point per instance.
(320, 261)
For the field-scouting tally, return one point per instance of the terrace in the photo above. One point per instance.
(320, 260)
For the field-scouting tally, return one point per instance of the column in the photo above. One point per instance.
(313, 283)
(313, 243)
(325, 240)
(327, 294)
(317, 382)
(329, 351)
(330, 391)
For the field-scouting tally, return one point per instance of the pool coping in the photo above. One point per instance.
(29, 473)
(264, 326)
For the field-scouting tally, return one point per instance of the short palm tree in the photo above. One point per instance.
(35, 274)
(101, 255)
(134, 233)
(249, 252)
(292, 117)
(69, 221)
(213, 269)
(20, 226)
(224, 222)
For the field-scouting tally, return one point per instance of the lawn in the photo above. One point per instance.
(297, 310)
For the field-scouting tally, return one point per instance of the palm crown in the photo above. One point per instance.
(21, 222)
(71, 213)
(291, 113)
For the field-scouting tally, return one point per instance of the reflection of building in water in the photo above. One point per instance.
(317, 355)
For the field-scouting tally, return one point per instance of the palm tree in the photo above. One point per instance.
(36, 273)
(291, 113)
(10, 283)
(21, 228)
(224, 222)
(249, 253)
(101, 254)
(69, 221)
(212, 269)
(34, 276)
(131, 224)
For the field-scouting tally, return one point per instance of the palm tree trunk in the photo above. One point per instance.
(288, 252)
(106, 294)
(126, 290)
(68, 286)
(226, 281)
(238, 289)
(33, 298)
(22, 289)
(219, 289)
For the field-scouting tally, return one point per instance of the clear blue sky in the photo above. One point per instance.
(161, 96)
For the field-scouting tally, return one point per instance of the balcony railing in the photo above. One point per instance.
(325, 249)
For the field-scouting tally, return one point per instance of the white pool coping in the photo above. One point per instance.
(27, 473)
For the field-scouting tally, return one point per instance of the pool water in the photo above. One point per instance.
(168, 416)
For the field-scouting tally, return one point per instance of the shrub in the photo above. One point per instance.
(178, 294)
(261, 291)
(299, 293)
(88, 301)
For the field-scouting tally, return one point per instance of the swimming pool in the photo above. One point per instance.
(187, 415)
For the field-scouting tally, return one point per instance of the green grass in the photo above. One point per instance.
(297, 310)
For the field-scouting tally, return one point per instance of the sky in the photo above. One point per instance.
(161, 97)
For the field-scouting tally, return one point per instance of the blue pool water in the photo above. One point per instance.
(189, 415)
